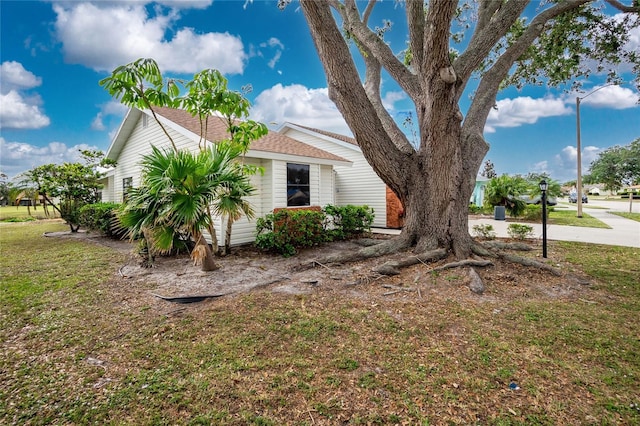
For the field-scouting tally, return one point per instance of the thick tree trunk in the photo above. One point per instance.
(435, 181)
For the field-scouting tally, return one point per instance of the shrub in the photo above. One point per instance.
(485, 231)
(473, 209)
(101, 217)
(519, 231)
(533, 212)
(348, 221)
(286, 230)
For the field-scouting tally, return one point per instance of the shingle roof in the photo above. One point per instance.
(272, 142)
(338, 136)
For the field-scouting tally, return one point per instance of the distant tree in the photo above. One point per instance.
(617, 166)
(488, 170)
(509, 43)
(73, 184)
(5, 189)
(533, 179)
(505, 191)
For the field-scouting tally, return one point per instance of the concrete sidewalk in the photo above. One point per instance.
(623, 232)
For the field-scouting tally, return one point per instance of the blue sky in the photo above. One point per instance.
(53, 53)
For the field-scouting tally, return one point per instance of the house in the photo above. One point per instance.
(354, 184)
(295, 173)
(302, 166)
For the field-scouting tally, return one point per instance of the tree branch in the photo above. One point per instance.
(346, 90)
(490, 82)
(623, 7)
(367, 11)
(498, 21)
(378, 48)
(416, 22)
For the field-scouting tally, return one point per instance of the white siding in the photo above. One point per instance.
(279, 184)
(139, 144)
(326, 185)
(244, 230)
(358, 184)
(107, 190)
(314, 184)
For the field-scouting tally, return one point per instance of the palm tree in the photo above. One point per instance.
(505, 191)
(232, 205)
(174, 197)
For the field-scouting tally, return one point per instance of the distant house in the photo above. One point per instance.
(295, 173)
(477, 198)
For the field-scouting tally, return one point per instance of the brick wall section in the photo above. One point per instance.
(395, 210)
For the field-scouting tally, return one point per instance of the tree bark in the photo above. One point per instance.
(208, 262)
(434, 182)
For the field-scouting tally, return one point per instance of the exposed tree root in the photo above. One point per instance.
(525, 261)
(466, 262)
(393, 267)
(476, 284)
(502, 245)
(367, 242)
(386, 247)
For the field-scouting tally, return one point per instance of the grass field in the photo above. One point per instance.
(22, 213)
(569, 218)
(632, 216)
(81, 345)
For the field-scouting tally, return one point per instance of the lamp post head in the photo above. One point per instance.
(543, 185)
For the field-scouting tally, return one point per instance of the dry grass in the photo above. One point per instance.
(82, 345)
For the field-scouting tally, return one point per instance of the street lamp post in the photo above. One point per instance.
(543, 187)
(578, 145)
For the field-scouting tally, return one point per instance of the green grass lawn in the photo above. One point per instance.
(632, 216)
(569, 218)
(82, 345)
(22, 213)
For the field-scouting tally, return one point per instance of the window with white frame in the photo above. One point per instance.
(298, 188)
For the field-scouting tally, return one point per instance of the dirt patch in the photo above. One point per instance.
(248, 270)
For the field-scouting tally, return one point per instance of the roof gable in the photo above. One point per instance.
(342, 140)
(268, 146)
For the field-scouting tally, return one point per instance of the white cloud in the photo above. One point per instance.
(104, 36)
(18, 157)
(19, 112)
(391, 97)
(111, 108)
(19, 109)
(615, 97)
(272, 45)
(97, 123)
(301, 105)
(564, 165)
(13, 76)
(524, 110)
(185, 4)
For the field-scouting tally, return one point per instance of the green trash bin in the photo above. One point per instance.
(499, 213)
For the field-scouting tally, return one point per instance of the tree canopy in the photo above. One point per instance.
(72, 184)
(617, 166)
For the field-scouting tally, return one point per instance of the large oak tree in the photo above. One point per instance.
(508, 43)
